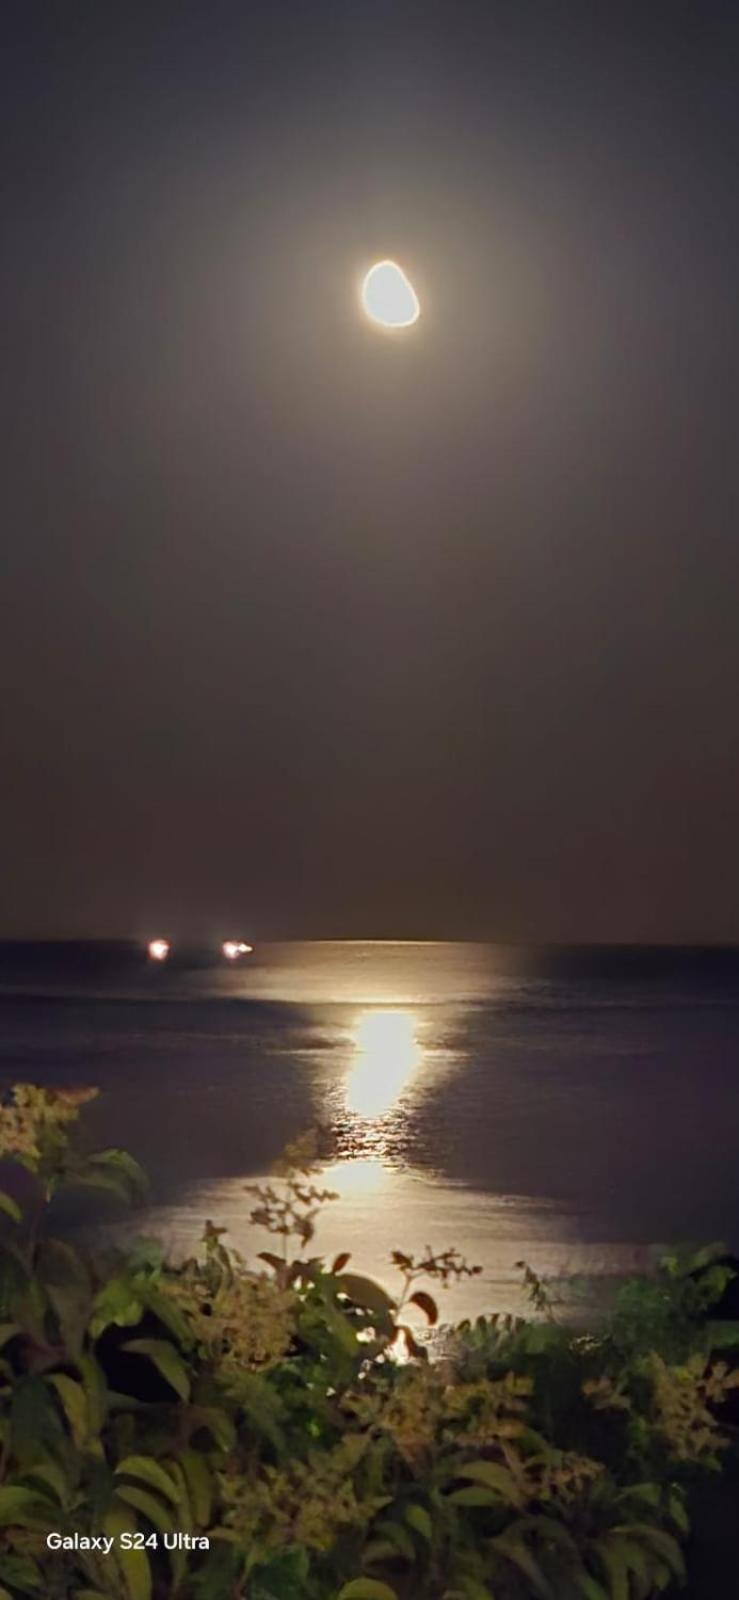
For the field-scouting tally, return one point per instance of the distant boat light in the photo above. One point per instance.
(234, 948)
(158, 949)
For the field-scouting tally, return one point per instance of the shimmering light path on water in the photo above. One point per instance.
(572, 1109)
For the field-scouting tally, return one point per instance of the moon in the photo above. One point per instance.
(388, 296)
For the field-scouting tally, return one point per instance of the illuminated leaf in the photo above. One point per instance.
(200, 1486)
(74, 1402)
(474, 1495)
(184, 1509)
(117, 1303)
(9, 1207)
(148, 1471)
(665, 1546)
(378, 1550)
(492, 1476)
(18, 1505)
(96, 1391)
(143, 1501)
(134, 1564)
(52, 1477)
(615, 1567)
(168, 1313)
(418, 1518)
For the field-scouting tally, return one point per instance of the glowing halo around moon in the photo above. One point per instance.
(388, 296)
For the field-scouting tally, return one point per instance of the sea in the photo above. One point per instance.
(574, 1109)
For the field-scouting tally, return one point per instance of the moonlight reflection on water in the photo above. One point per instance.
(387, 1057)
(514, 1105)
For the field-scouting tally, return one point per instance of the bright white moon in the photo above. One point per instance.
(389, 297)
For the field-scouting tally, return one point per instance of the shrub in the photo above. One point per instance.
(265, 1414)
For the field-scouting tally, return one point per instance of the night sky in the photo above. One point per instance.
(311, 630)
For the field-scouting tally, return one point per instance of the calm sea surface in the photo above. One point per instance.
(571, 1108)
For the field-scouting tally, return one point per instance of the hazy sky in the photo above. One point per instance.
(308, 629)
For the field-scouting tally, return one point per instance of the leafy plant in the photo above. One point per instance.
(290, 1418)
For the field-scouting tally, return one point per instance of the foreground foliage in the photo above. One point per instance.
(268, 1410)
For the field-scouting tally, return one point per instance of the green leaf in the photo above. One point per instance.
(648, 1494)
(147, 1470)
(492, 1476)
(158, 1301)
(137, 1573)
(615, 1567)
(722, 1335)
(636, 1559)
(263, 1407)
(134, 1564)
(378, 1550)
(143, 1501)
(122, 1165)
(167, 1361)
(367, 1294)
(52, 1477)
(96, 1390)
(543, 1527)
(522, 1558)
(114, 1171)
(184, 1508)
(8, 1330)
(418, 1518)
(678, 1514)
(21, 1572)
(398, 1537)
(698, 1260)
(36, 1421)
(366, 1589)
(18, 1505)
(9, 1207)
(117, 1303)
(200, 1486)
(103, 1182)
(282, 1576)
(66, 1280)
(14, 1275)
(473, 1495)
(30, 1308)
(74, 1403)
(665, 1546)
